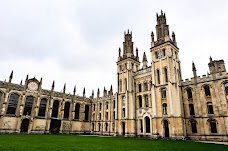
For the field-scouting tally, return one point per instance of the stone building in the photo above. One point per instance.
(151, 100)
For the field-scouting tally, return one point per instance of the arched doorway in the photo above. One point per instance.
(24, 125)
(166, 128)
(123, 128)
(147, 121)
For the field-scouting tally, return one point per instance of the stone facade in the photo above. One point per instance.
(151, 101)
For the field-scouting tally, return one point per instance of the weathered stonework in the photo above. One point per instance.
(151, 101)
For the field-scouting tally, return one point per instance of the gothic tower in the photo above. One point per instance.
(127, 64)
(166, 81)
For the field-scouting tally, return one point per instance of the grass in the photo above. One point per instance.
(82, 143)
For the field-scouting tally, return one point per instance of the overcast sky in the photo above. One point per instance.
(76, 41)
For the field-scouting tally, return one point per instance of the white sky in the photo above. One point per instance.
(76, 41)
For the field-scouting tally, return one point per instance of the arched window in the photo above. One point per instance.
(77, 111)
(210, 108)
(86, 112)
(193, 126)
(147, 122)
(163, 93)
(166, 74)
(94, 117)
(164, 106)
(189, 92)
(114, 116)
(12, 106)
(94, 107)
(146, 101)
(191, 109)
(213, 126)
(42, 108)
(145, 86)
(106, 105)
(55, 109)
(28, 105)
(226, 88)
(140, 101)
(158, 76)
(66, 110)
(156, 55)
(207, 91)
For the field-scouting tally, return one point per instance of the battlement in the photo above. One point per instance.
(204, 78)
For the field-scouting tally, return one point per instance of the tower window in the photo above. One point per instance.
(163, 51)
(158, 76)
(123, 112)
(114, 115)
(166, 74)
(99, 116)
(140, 101)
(146, 101)
(163, 93)
(140, 88)
(156, 55)
(145, 86)
(164, 106)
(100, 106)
(125, 84)
(114, 104)
(207, 91)
(226, 88)
(210, 108)
(191, 109)
(106, 105)
(120, 85)
(189, 92)
(94, 107)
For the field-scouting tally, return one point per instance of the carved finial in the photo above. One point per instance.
(11, 75)
(193, 66)
(98, 92)
(128, 31)
(53, 85)
(27, 77)
(41, 80)
(137, 52)
(92, 93)
(84, 91)
(119, 51)
(64, 88)
(161, 12)
(111, 88)
(21, 82)
(74, 90)
(211, 59)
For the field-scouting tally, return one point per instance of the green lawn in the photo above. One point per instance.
(80, 143)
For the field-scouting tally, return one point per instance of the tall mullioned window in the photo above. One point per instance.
(145, 86)
(140, 88)
(77, 111)
(42, 108)
(125, 81)
(12, 106)
(66, 110)
(28, 105)
(120, 85)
